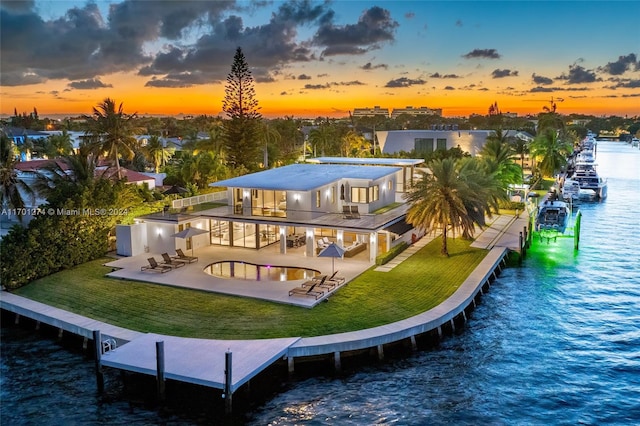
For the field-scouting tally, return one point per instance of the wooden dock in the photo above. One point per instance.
(199, 361)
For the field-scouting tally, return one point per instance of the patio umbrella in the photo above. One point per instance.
(189, 233)
(175, 189)
(333, 250)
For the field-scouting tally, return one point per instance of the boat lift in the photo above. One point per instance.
(548, 235)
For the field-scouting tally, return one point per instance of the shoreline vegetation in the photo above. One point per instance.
(418, 284)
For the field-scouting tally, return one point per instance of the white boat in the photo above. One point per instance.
(571, 190)
(635, 142)
(590, 183)
(553, 216)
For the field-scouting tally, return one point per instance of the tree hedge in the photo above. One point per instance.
(65, 233)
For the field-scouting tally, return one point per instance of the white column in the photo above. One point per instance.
(340, 237)
(311, 243)
(283, 239)
(373, 247)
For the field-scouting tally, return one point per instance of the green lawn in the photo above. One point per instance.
(374, 298)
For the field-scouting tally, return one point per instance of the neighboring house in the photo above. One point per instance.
(19, 136)
(291, 206)
(426, 141)
(524, 136)
(28, 172)
(131, 176)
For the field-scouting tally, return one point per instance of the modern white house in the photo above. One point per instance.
(299, 206)
(426, 141)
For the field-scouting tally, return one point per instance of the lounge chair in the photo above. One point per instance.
(155, 267)
(172, 262)
(354, 212)
(334, 279)
(311, 291)
(346, 212)
(183, 257)
(320, 281)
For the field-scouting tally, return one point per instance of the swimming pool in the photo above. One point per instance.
(250, 271)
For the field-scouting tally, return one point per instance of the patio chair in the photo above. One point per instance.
(354, 212)
(311, 291)
(153, 266)
(322, 282)
(334, 278)
(346, 212)
(172, 262)
(183, 257)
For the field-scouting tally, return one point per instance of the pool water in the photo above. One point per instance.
(251, 271)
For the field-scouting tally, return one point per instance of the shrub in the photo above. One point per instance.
(386, 257)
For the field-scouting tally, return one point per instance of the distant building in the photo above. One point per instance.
(409, 110)
(376, 111)
(426, 141)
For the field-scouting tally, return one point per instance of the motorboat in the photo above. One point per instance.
(589, 181)
(553, 216)
(571, 190)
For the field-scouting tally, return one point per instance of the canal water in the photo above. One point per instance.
(556, 341)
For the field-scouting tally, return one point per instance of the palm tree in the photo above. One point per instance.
(156, 152)
(321, 138)
(62, 178)
(520, 148)
(498, 157)
(482, 191)
(444, 199)
(269, 136)
(13, 189)
(112, 131)
(58, 145)
(551, 151)
(355, 145)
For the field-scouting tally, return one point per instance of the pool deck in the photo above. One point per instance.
(193, 276)
(201, 361)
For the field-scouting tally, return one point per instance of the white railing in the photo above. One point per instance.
(199, 199)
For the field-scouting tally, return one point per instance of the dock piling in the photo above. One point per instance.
(97, 350)
(337, 365)
(228, 407)
(160, 370)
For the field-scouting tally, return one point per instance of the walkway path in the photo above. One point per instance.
(413, 248)
(502, 232)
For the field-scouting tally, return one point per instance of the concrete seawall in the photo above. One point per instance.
(135, 351)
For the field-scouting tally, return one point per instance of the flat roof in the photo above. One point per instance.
(305, 177)
(368, 161)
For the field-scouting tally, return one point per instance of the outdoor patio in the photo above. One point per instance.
(193, 275)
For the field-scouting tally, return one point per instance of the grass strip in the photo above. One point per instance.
(418, 284)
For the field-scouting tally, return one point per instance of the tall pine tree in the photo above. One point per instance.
(241, 106)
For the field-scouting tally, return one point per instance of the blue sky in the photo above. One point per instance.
(327, 56)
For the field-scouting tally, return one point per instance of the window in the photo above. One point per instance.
(389, 185)
(268, 203)
(333, 195)
(318, 199)
(365, 195)
(441, 144)
(423, 145)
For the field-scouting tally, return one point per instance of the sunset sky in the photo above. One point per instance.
(312, 58)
